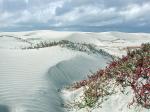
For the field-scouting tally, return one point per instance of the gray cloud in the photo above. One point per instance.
(28, 14)
(13, 5)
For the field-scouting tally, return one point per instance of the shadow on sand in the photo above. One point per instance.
(4, 108)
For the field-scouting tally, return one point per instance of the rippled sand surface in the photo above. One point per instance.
(30, 79)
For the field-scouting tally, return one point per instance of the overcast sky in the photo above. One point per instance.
(83, 15)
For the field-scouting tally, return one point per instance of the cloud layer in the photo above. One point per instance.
(76, 14)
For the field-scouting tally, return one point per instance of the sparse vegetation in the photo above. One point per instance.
(83, 47)
(132, 70)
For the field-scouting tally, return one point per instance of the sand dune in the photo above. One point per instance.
(30, 79)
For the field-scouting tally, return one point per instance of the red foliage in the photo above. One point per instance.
(133, 69)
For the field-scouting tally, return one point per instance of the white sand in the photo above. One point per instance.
(30, 79)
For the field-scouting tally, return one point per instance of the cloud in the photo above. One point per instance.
(16, 14)
(135, 11)
(13, 5)
(39, 13)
